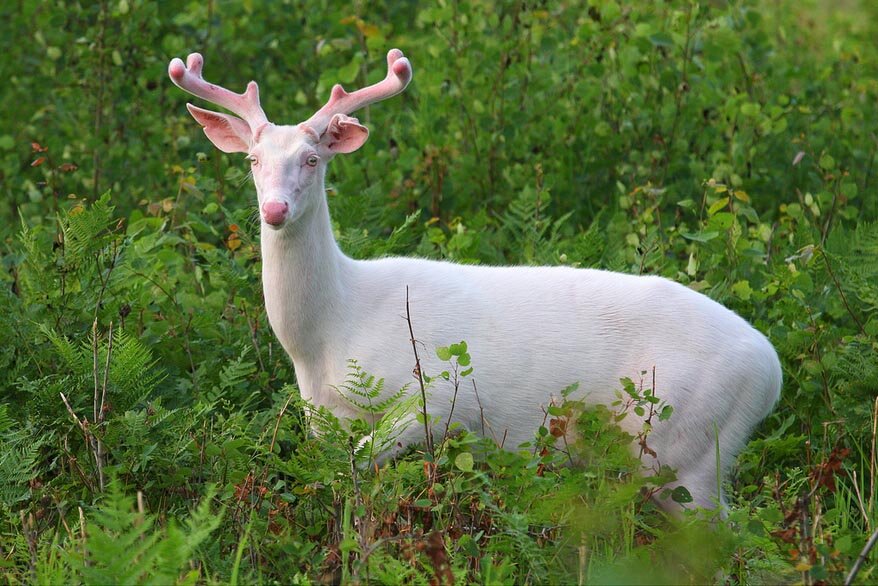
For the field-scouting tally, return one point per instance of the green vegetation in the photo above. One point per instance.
(150, 426)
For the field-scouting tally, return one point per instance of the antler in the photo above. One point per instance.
(399, 74)
(188, 77)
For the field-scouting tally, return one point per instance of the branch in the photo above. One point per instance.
(861, 559)
(427, 433)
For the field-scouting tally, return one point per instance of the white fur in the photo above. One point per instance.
(531, 332)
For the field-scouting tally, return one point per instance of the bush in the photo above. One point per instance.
(150, 423)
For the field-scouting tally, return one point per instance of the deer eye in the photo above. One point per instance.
(253, 160)
(312, 160)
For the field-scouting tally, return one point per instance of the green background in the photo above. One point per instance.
(729, 146)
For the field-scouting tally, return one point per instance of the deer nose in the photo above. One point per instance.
(274, 212)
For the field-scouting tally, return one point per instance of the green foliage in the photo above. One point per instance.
(385, 415)
(728, 146)
(19, 459)
(124, 546)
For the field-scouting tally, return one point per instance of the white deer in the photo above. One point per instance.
(531, 331)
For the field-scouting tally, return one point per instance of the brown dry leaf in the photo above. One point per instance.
(557, 427)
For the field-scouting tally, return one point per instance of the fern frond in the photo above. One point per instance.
(19, 455)
(86, 230)
(529, 227)
(234, 375)
(124, 546)
(70, 354)
(133, 370)
(856, 254)
(363, 391)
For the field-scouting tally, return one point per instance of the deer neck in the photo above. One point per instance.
(303, 280)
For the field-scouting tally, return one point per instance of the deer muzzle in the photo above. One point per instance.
(275, 212)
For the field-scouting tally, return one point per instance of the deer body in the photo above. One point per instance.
(531, 331)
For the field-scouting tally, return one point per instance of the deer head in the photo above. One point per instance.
(288, 162)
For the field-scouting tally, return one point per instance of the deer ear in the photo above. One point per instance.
(228, 133)
(343, 135)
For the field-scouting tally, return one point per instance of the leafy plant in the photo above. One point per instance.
(729, 147)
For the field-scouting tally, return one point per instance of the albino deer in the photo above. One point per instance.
(531, 331)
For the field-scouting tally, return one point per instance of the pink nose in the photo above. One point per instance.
(274, 212)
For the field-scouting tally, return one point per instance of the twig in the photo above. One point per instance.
(94, 353)
(27, 527)
(482, 416)
(806, 543)
(861, 559)
(280, 415)
(106, 282)
(829, 217)
(583, 561)
(860, 503)
(99, 416)
(61, 517)
(453, 402)
(360, 521)
(188, 347)
(99, 105)
(841, 292)
(83, 535)
(73, 415)
(264, 475)
(872, 456)
(100, 396)
(545, 419)
(682, 88)
(427, 433)
(253, 326)
(74, 465)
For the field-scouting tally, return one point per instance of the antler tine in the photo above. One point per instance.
(188, 77)
(399, 74)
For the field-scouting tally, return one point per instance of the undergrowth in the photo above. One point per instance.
(151, 430)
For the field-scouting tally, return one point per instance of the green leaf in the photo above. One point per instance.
(717, 206)
(700, 236)
(681, 495)
(661, 39)
(610, 11)
(444, 353)
(750, 109)
(348, 73)
(464, 461)
(843, 544)
(742, 290)
(848, 188)
(722, 221)
(756, 527)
